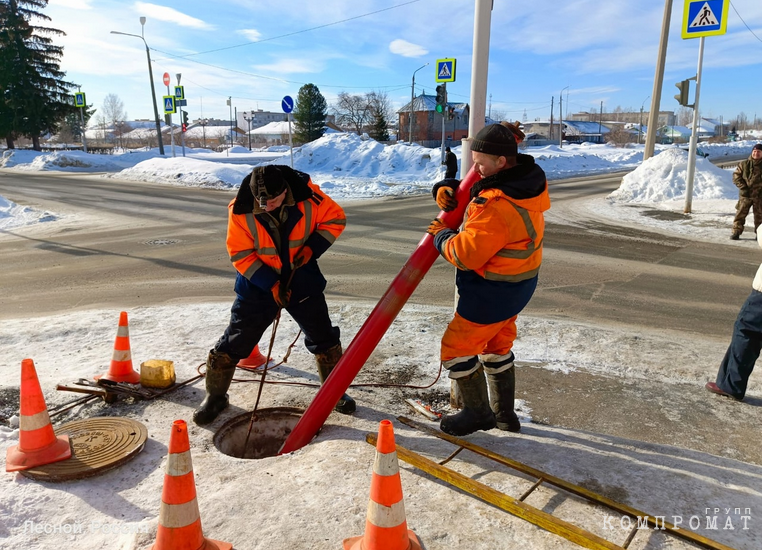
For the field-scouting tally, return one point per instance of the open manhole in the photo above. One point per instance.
(268, 432)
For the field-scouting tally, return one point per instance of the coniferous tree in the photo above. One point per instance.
(309, 114)
(34, 98)
(379, 108)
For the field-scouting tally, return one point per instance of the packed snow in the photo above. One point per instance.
(317, 496)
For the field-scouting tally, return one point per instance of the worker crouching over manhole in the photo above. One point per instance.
(259, 436)
(279, 224)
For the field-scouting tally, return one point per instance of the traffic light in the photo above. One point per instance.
(441, 98)
(450, 113)
(185, 121)
(682, 97)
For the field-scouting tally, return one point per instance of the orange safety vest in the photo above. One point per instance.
(251, 246)
(502, 236)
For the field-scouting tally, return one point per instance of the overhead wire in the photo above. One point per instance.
(187, 56)
(744, 22)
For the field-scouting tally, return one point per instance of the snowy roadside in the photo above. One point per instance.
(317, 496)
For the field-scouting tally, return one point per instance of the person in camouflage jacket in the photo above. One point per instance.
(748, 179)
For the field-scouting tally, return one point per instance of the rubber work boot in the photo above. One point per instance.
(220, 368)
(502, 390)
(326, 361)
(735, 236)
(476, 414)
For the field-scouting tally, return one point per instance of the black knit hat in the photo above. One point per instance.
(267, 182)
(495, 139)
(757, 146)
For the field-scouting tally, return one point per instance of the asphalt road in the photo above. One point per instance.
(126, 244)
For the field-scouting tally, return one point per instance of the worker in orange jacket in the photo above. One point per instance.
(498, 255)
(279, 224)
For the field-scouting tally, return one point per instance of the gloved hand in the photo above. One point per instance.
(280, 295)
(303, 256)
(446, 198)
(435, 227)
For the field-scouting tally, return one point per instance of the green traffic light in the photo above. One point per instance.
(439, 109)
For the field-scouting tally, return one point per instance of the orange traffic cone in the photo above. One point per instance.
(38, 444)
(385, 523)
(254, 360)
(179, 520)
(121, 369)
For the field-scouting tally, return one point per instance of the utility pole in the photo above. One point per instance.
(600, 123)
(550, 126)
(653, 115)
(230, 104)
(479, 66)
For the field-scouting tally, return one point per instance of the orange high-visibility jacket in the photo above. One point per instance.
(502, 236)
(256, 245)
(499, 251)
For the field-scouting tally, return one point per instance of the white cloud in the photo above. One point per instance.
(71, 4)
(252, 34)
(290, 66)
(163, 13)
(407, 49)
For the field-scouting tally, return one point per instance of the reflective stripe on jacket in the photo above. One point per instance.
(502, 237)
(258, 246)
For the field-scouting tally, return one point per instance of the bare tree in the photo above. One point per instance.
(114, 113)
(684, 116)
(352, 111)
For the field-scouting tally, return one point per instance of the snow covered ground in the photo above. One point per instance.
(317, 496)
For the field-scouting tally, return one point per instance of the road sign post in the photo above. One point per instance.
(701, 18)
(288, 105)
(170, 107)
(81, 102)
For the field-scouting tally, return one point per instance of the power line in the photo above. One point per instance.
(305, 30)
(744, 22)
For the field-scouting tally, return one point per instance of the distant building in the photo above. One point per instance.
(574, 131)
(427, 123)
(665, 118)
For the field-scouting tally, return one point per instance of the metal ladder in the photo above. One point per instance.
(517, 506)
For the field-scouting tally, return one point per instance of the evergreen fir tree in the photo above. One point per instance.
(379, 126)
(309, 114)
(35, 98)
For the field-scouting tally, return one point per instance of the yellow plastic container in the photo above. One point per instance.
(157, 373)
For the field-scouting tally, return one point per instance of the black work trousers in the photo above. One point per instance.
(253, 312)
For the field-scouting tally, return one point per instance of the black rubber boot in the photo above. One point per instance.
(502, 391)
(476, 414)
(326, 361)
(220, 368)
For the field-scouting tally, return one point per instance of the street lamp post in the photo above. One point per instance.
(640, 124)
(150, 77)
(412, 101)
(248, 121)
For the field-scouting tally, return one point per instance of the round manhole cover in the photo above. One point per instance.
(98, 444)
(268, 432)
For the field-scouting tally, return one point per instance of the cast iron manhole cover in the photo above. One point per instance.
(98, 444)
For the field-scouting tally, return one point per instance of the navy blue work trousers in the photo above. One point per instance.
(744, 349)
(254, 310)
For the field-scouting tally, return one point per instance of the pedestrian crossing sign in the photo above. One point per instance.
(445, 70)
(79, 99)
(169, 104)
(705, 18)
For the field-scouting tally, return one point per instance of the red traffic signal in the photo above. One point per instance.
(185, 127)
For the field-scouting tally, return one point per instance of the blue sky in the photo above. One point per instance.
(258, 51)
